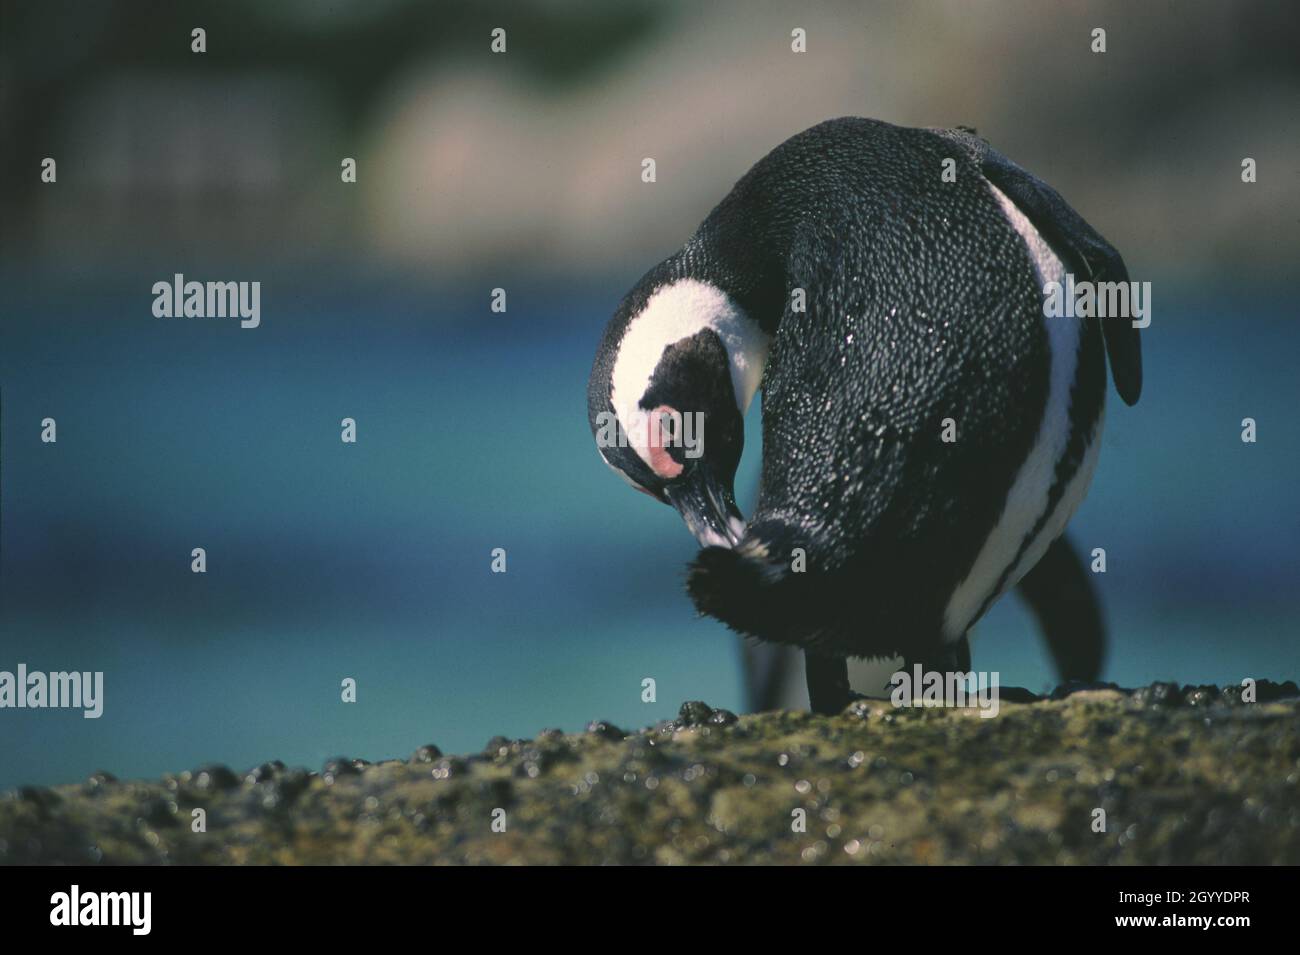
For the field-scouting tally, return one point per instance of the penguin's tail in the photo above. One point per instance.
(751, 588)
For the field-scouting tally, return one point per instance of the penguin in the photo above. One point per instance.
(927, 430)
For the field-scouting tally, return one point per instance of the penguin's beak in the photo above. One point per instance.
(708, 506)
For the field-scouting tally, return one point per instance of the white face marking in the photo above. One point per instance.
(677, 311)
(1027, 500)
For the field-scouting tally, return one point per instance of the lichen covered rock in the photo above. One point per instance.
(1176, 775)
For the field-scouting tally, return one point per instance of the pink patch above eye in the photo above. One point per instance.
(661, 462)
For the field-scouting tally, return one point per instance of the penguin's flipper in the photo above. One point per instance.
(1084, 250)
(1079, 245)
(1060, 594)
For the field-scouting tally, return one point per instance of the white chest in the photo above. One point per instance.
(1028, 501)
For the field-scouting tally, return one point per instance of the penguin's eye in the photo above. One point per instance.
(663, 424)
(666, 428)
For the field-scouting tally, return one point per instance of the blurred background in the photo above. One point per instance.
(521, 171)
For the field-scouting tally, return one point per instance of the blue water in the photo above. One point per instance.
(372, 560)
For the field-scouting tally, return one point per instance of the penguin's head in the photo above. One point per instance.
(675, 373)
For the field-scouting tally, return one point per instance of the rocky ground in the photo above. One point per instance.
(1183, 775)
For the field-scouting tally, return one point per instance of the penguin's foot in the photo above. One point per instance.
(828, 683)
(1017, 694)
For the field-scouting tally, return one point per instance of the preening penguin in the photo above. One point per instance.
(927, 432)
